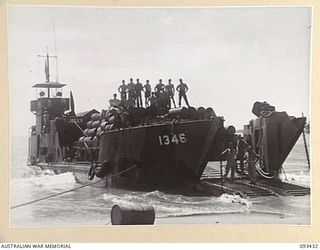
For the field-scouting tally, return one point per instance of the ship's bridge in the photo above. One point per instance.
(53, 104)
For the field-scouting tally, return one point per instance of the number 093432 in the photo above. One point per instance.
(173, 139)
(309, 245)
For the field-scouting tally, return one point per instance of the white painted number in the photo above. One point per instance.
(183, 138)
(175, 139)
(165, 139)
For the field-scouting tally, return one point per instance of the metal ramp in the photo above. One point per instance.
(241, 184)
(285, 188)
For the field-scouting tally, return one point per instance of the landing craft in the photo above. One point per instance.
(140, 148)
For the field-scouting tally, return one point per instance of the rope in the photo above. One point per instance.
(71, 190)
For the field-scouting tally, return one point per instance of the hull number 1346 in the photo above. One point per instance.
(166, 139)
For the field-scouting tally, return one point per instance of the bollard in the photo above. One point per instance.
(134, 214)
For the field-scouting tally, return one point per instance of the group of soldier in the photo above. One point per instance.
(162, 96)
(236, 151)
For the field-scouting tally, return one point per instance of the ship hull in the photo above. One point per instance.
(173, 154)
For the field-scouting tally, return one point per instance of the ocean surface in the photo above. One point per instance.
(91, 206)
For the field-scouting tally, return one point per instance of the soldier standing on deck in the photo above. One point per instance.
(252, 165)
(147, 92)
(123, 90)
(159, 88)
(131, 90)
(182, 89)
(170, 91)
(138, 89)
(241, 145)
(153, 104)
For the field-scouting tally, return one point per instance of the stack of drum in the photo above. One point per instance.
(100, 122)
(192, 113)
(115, 118)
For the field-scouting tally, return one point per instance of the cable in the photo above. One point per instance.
(71, 190)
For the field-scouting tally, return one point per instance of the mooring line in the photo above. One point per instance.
(71, 190)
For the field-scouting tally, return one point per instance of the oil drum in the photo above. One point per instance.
(103, 125)
(89, 124)
(114, 111)
(86, 131)
(201, 112)
(111, 119)
(181, 112)
(109, 127)
(211, 113)
(92, 132)
(99, 134)
(95, 124)
(98, 130)
(96, 116)
(132, 214)
(192, 112)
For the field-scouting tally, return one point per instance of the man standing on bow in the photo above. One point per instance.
(170, 92)
(123, 90)
(131, 90)
(147, 92)
(182, 89)
(159, 88)
(138, 89)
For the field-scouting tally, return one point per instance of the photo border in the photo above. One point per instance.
(163, 233)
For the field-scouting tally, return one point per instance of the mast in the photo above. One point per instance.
(47, 68)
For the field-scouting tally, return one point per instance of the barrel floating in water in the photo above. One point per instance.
(135, 214)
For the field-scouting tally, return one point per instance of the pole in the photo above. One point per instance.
(221, 176)
(306, 148)
(305, 144)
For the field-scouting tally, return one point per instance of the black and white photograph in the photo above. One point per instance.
(159, 115)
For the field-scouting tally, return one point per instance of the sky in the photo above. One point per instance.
(229, 57)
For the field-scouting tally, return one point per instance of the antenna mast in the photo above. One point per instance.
(55, 50)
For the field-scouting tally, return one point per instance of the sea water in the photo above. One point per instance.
(91, 206)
